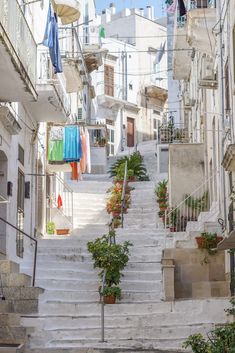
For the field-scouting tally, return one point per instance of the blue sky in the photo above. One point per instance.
(120, 4)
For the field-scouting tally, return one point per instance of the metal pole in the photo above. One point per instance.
(35, 263)
(102, 320)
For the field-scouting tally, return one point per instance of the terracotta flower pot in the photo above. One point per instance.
(110, 299)
(116, 213)
(172, 229)
(62, 231)
(201, 243)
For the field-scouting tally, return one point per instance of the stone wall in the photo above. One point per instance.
(195, 273)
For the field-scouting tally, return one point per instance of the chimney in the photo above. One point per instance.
(141, 11)
(105, 16)
(112, 7)
(148, 12)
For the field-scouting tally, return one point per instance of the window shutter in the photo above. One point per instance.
(109, 80)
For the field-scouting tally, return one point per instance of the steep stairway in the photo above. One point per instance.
(69, 318)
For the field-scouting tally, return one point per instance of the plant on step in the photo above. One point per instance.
(113, 292)
(51, 227)
(120, 174)
(174, 219)
(111, 259)
(134, 163)
(209, 242)
(116, 222)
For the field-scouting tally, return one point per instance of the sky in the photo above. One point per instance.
(120, 4)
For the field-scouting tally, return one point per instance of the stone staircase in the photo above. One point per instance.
(17, 298)
(69, 311)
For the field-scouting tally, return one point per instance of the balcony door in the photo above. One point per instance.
(130, 132)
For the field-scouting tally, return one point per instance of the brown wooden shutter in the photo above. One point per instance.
(109, 80)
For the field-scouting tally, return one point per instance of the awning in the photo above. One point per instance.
(69, 11)
(228, 242)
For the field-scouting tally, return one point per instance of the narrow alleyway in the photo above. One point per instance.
(69, 310)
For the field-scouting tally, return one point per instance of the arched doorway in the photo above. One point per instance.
(3, 199)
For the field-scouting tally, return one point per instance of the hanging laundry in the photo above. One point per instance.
(88, 150)
(160, 53)
(59, 202)
(182, 9)
(72, 144)
(51, 40)
(172, 6)
(83, 162)
(56, 145)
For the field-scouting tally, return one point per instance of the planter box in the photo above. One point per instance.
(111, 299)
(62, 231)
(201, 243)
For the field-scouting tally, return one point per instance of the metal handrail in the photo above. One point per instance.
(67, 189)
(124, 193)
(35, 249)
(201, 187)
(112, 240)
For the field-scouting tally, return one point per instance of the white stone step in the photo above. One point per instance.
(93, 285)
(69, 296)
(144, 332)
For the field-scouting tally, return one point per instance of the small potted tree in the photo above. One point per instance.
(208, 241)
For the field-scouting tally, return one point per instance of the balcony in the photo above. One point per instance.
(181, 58)
(93, 56)
(8, 119)
(53, 104)
(156, 96)
(201, 18)
(18, 53)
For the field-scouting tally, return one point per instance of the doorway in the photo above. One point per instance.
(130, 132)
(3, 200)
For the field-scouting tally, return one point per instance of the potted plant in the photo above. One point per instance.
(51, 227)
(174, 218)
(111, 259)
(208, 241)
(111, 294)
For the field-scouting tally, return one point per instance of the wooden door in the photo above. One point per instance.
(109, 80)
(130, 132)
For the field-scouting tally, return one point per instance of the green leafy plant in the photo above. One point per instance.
(51, 227)
(174, 217)
(208, 241)
(220, 340)
(110, 258)
(134, 162)
(111, 291)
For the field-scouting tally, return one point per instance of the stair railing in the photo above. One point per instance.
(112, 240)
(35, 247)
(59, 187)
(192, 206)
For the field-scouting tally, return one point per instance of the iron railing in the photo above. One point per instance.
(46, 77)
(192, 207)
(17, 31)
(35, 248)
(112, 240)
(57, 187)
(173, 133)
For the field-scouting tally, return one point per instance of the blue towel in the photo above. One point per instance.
(72, 144)
(51, 40)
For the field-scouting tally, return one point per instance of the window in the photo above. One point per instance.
(21, 154)
(109, 80)
(155, 128)
(111, 140)
(86, 26)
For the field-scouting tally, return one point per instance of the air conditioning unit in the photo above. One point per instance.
(9, 121)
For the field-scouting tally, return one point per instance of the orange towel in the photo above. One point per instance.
(83, 161)
(75, 174)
